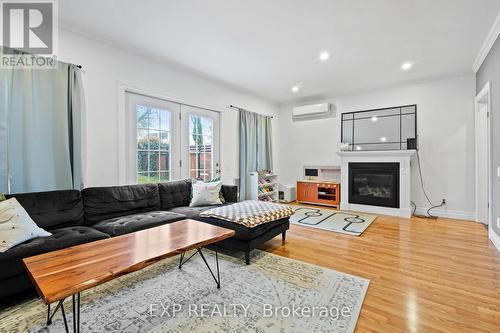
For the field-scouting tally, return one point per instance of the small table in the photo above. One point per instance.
(60, 274)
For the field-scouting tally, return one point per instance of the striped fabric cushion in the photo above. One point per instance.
(250, 213)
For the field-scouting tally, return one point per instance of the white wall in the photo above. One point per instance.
(106, 65)
(446, 139)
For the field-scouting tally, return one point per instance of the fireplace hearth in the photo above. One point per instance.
(374, 184)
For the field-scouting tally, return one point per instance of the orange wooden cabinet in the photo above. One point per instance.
(318, 192)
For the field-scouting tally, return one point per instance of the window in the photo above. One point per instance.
(153, 144)
(201, 138)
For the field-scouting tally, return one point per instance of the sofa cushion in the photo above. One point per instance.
(230, 193)
(53, 209)
(135, 222)
(241, 232)
(103, 203)
(10, 261)
(190, 212)
(175, 194)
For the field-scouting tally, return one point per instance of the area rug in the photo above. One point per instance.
(273, 294)
(344, 222)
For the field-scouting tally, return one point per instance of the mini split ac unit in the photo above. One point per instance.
(313, 111)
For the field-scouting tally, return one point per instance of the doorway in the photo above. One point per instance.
(483, 156)
(167, 140)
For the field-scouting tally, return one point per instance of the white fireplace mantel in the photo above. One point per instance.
(395, 156)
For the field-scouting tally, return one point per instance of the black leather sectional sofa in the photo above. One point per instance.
(76, 217)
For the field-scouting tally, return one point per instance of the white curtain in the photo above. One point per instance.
(255, 147)
(41, 129)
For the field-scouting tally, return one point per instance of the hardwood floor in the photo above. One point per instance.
(425, 275)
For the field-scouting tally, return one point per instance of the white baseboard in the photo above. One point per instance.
(495, 239)
(451, 214)
(400, 212)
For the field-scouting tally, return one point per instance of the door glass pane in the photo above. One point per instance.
(164, 140)
(164, 176)
(164, 161)
(143, 177)
(142, 138)
(142, 161)
(154, 177)
(142, 117)
(154, 160)
(154, 120)
(153, 144)
(200, 147)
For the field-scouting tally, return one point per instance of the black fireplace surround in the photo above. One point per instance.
(374, 184)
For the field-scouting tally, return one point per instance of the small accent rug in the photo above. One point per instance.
(273, 294)
(327, 219)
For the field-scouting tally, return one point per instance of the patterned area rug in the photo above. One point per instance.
(327, 219)
(273, 294)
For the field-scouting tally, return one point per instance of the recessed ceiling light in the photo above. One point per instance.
(295, 89)
(383, 139)
(406, 66)
(324, 56)
(374, 118)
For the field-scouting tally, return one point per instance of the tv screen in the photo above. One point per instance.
(311, 172)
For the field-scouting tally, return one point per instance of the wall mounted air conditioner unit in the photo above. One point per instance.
(313, 111)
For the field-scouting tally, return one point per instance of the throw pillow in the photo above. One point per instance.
(16, 226)
(2, 197)
(221, 195)
(205, 194)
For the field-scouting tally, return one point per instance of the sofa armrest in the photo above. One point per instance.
(230, 193)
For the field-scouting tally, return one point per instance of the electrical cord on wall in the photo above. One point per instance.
(429, 215)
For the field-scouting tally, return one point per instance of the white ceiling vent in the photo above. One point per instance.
(313, 111)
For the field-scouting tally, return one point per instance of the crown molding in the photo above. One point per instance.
(487, 45)
(167, 62)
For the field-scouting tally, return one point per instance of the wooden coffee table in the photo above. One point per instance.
(60, 274)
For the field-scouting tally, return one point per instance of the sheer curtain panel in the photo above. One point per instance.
(255, 147)
(41, 129)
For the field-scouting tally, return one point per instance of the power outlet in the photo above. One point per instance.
(498, 172)
(498, 222)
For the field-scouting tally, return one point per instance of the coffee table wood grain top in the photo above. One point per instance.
(62, 273)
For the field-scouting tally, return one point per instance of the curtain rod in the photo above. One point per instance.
(238, 108)
(35, 55)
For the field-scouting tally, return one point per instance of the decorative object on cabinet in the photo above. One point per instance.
(322, 173)
(326, 193)
(264, 186)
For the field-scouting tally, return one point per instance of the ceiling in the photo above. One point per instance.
(266, 47)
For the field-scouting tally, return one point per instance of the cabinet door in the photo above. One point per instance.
(312, 192)
(302, 191)
(337, 194)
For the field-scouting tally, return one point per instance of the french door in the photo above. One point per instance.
(168, 141)
(200, 138)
